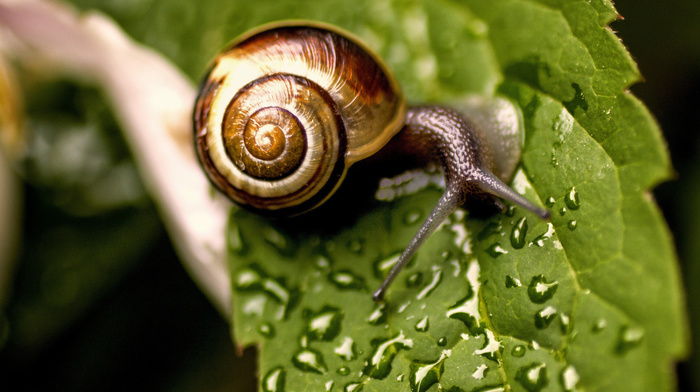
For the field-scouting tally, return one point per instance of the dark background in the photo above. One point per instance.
(150, 328)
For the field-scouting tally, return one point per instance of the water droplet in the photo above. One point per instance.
(490, 229)
(491, 346)
(550, 201)
(254, 279)
(414, 280)
(533, 377)
(378, 316)
(324, 325)
(540, 239)
(309, 360)
(480, 372)
(412, 217)
(629, 338)
(423, 324)
(442, 342)
(562, 211)
(517, 235)
(266, 330)
(425, 375)
(346, 350)
(437, 277)
(490, 388)
(329, 386)
(274, 380)
(510, 211)
(379, 361)
(467, 309)
(354, 387)
(572, 200)
(343, 371)
(322, 263)
(518, 351)
(572, 225)
(566, 326)
(540, 290)
(599, 325)
(356, 245)
(553, 160)
(512, 282)
(569, 378)
(383, 266)
(346, 280)
(278, 241)
(545, 317)
(495, 250)
(235, 240)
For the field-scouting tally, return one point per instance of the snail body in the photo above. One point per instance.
(287, 109)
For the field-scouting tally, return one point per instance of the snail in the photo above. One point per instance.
(286, 109)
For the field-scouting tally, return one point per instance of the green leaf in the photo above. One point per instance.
(590, 301)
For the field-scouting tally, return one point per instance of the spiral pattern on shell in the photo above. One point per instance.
(284, 112)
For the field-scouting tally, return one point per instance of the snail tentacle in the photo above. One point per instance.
(442, 134)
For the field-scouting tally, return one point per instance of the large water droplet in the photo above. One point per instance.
(517, 235)
(324, 325)
(423, 324)
(442, 342)
(425, 375)
(629, 338)
(533, 377)
(346, 350)
(545, 317)
(491, 346)
(540, 290)
(346, 280)
(378, 316)
(467, 309)
(512, 282)
(572, 225)
(437, 277)
(518, 351)
(266, 330)
(309, 360)
(496, 250)
(569, 378)
(274, 380)
(329, 386)
(572, 200)
(379, 361)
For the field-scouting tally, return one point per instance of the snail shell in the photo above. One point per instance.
(286, 110)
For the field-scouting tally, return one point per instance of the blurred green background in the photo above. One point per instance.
(101, 302)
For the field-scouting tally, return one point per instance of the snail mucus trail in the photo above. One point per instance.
(286, 109)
